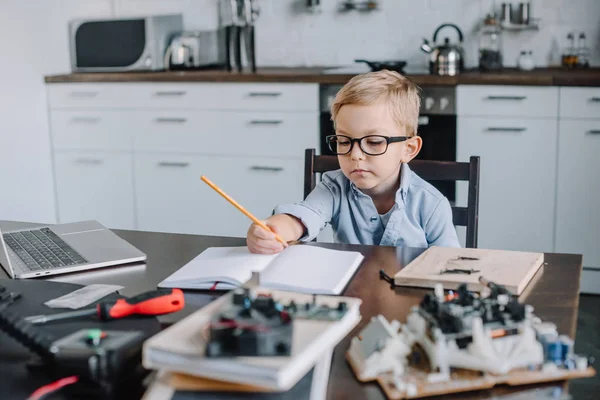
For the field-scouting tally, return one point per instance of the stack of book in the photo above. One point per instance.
(184, 370)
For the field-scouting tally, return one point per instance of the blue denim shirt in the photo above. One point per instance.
(421, 216)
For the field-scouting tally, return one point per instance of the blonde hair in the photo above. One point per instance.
(400, 94)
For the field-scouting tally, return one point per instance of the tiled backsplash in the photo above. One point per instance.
(288, 35)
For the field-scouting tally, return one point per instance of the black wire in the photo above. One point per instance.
(387, 278)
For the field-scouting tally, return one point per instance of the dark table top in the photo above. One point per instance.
(554, 292)
(508, 76)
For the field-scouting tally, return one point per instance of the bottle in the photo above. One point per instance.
(490, 44)
(569, 58)
(583, 53)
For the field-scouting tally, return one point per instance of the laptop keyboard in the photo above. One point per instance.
(42, 249)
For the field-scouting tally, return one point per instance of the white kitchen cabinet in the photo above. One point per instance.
(95, 185)
(578, 197)
(578, 186)
(170, 196)
(96, 130)
(517, 180)
(249, 138)
(507, 101)
(580, 102)
(185, 95)
(255, 133)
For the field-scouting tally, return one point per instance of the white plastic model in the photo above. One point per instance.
(451, 332)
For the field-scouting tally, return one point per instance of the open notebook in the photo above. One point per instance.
(298, 268)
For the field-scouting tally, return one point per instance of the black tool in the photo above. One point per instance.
(156, 302)
(459, 271)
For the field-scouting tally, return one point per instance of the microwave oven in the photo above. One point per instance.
(122, 44)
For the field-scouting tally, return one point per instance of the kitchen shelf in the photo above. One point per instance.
(534, 25)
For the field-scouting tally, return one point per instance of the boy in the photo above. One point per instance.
(374, 198)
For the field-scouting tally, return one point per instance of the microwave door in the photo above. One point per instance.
(110, 44)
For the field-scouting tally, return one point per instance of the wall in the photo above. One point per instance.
(35, 44)
(288, 35)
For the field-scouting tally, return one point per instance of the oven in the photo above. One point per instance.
(437, 127)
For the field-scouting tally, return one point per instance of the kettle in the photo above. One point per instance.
(447, 58)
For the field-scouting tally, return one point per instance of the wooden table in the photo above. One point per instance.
(554, 295)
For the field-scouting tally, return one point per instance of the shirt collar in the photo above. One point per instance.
(405, 178)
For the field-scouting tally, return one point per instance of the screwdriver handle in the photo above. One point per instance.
(157, 302)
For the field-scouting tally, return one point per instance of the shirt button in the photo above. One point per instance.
(373, 219)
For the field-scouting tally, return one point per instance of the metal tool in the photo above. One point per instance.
(156, 302)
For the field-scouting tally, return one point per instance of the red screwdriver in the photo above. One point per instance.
(157, 302)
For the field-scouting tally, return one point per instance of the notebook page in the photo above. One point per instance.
(311, 269)
(224, 264)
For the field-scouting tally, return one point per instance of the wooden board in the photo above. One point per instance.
(465, 380)
(187, 382)
(511, 269)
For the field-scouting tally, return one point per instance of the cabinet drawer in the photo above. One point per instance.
(579, 102)
(95, 185)
(91, 130)
(171, 197)
(258, 133)
(507, 101)
(269, 96)
(210, 96)
(132, 95)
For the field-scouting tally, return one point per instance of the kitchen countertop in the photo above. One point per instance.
(538, 77)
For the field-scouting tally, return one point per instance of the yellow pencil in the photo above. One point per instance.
(242, 209)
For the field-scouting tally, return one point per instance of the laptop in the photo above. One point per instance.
(63, 248)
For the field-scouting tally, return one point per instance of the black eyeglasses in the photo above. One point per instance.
(373, 145)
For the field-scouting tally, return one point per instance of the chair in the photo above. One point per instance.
(428, 170)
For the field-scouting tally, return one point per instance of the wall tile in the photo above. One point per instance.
(289, 35)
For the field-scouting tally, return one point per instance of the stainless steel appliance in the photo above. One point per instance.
(447, 58)
(121, 44)
(437, 126)
(238, 18)
(196, 49)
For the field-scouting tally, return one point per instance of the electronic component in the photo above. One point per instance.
(258, 325)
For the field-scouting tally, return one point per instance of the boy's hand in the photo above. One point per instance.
(261, 241)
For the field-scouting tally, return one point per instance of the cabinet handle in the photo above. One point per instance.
(595, 99)
(594, 132)
(265, 168)
(171, 93)
(170, 120)
(506, 97)
(266, 122)
(173, 164)
(505, 129)
(83, 94)
(264, 94)
(89, 161)
(85, 120)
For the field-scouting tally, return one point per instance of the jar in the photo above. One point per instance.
(490, 44)
(525, 61)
